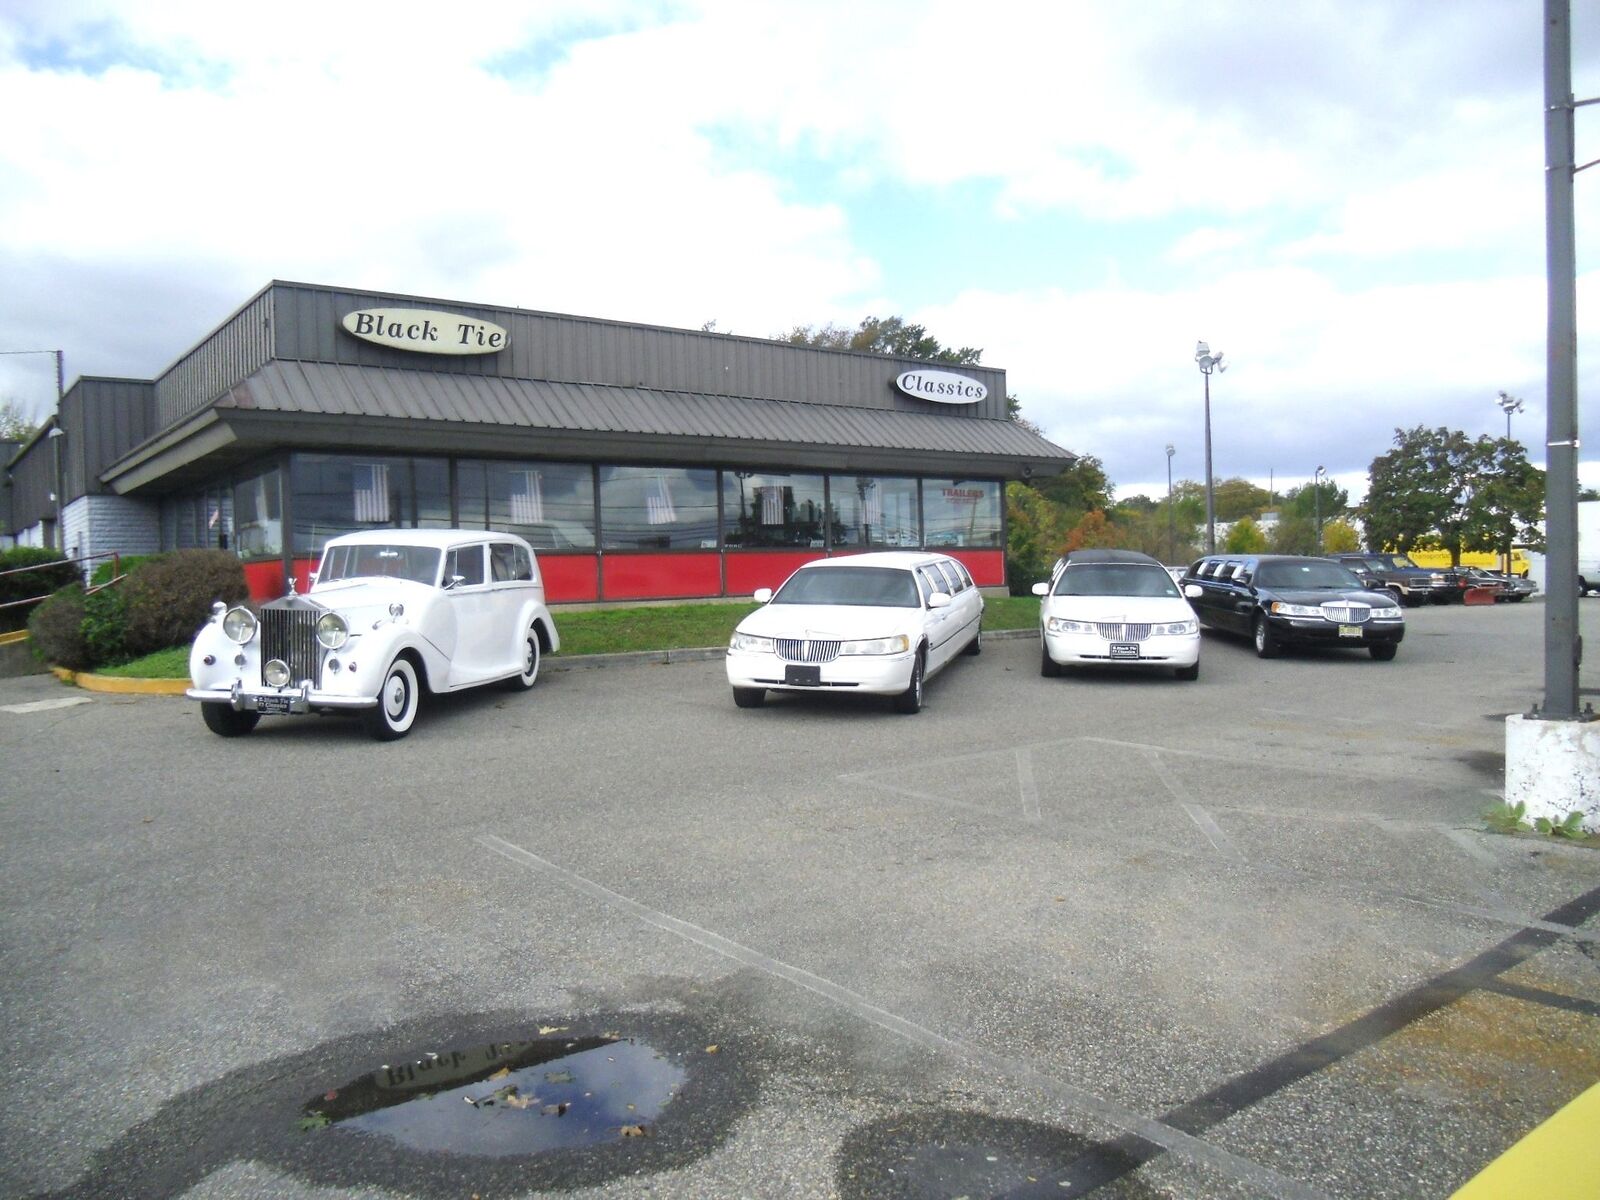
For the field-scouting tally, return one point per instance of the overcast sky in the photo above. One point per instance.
(1346, 198)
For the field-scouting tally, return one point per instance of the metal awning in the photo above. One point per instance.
(307, 405)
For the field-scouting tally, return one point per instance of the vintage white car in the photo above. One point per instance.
(391, 612)
(880, 623)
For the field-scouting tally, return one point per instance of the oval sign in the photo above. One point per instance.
(425, 331)
(942, 387)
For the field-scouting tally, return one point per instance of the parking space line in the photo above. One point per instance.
(34, 706)
(1470, 845)
(1202, 819)
(1030, 790)
(913, 794)
(1160, 1136)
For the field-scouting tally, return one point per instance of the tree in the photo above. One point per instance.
(1245, 538)
(1339, 537)
(15, 425)
(1081, 488)
(1437, 486)
(1093, 532)
(1295, 535)
(1326, 497)
(893, 336)
(1036, 534)
(1235, 498)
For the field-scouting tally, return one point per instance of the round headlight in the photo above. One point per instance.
(276, 673)
(239, 624)
(332, 631)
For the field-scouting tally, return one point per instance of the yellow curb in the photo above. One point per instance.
(126, 687)
(12, 638)
(1559, 1160)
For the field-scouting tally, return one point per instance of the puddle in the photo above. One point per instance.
(505, 1099)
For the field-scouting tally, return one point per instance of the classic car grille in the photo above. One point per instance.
(291, 634)
(1355, 614)
(1113, 632)
(807, 650)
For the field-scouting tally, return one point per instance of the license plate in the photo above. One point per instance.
(1124, 649)
(273, 704)
(1349, 631)
(803, 676)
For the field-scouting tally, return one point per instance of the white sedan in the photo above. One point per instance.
(391, 613)
(880, 624)
(1116, 608)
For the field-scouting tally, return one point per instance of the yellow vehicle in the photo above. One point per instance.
(1476, 558)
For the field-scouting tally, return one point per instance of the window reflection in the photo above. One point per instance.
(764, 509)
(658, 508)
(550, 504)
(962, 512)
(873, 510)
(258, 515)
(335, 494)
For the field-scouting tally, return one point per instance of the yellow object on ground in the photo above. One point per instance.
(126, 687)
(1559, 1160)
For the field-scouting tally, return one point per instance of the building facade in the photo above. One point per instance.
(641, 462)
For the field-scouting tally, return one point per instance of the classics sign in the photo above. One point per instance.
(942, 387)
(425, 331)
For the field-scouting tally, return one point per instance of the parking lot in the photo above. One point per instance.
(1102, 935)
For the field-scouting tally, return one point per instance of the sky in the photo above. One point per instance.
(1345, 198)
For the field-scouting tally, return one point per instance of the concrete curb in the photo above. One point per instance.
(580, 662)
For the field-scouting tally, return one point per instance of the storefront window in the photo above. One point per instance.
(658, 508)
(761, 509)
(334, 494)
(962, 512)
(873, 510)
(258, 515)
(550, 504)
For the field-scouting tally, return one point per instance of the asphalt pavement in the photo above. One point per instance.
(1104, 935)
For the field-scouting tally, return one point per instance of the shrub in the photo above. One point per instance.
(170, 597)
(56, 628)
(28, 584)
(126, 563)
(105, 620)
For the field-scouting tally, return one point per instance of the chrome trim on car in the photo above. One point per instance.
(806, 650)
(1122, 631)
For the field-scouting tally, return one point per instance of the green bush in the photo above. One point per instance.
(105, 622)
(56, 628)
(25, 585)
(126, 564)
(170, 597)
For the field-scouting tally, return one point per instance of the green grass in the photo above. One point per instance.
(621, 630)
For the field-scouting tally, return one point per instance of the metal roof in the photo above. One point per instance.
(324, 389)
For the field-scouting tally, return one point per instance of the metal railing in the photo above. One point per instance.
(116, 574)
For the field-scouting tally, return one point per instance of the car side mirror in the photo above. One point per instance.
(939, 600)
(1041, 589)
(1193, 590)
(762, 595)
(454, 581)
(311, 581)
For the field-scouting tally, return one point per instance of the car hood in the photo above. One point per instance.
(829, 621)
(1153, 610)
(1317, 596)
(362, 600)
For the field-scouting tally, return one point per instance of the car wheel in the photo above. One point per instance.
(1189, 674)
(398, 701)
(224, 721)
(1383, 653)
(972, 647)
(1266, 641)
(910, 700)
(1048, 667)
(529, 674)
(749, 697)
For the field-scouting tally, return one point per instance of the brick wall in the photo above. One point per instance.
(111, 524)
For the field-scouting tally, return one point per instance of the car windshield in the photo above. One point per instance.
(1308, 573)
(420, 564)
(881, 587)
(1115, 579)
(1401, 561)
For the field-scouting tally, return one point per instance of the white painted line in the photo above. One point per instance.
(45, 705)
(913, 794)
(1471, 845)
(1172, 1140)
(1202, 819)
(1030, 791)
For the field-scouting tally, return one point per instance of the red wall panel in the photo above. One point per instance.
(753, 569)
(570, 578)
(988, 567)
(660, 576)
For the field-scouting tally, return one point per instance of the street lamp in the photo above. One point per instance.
(1172, 552)
(1320, 474)
(1209, 362)
(1509, 405)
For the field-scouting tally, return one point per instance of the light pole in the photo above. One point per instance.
(1509, 405)
(1209, 362)
(1316, 499)
(1172, 551)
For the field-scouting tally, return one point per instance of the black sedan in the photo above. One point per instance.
(1282, 600)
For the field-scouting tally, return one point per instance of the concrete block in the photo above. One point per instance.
(1553, 767)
